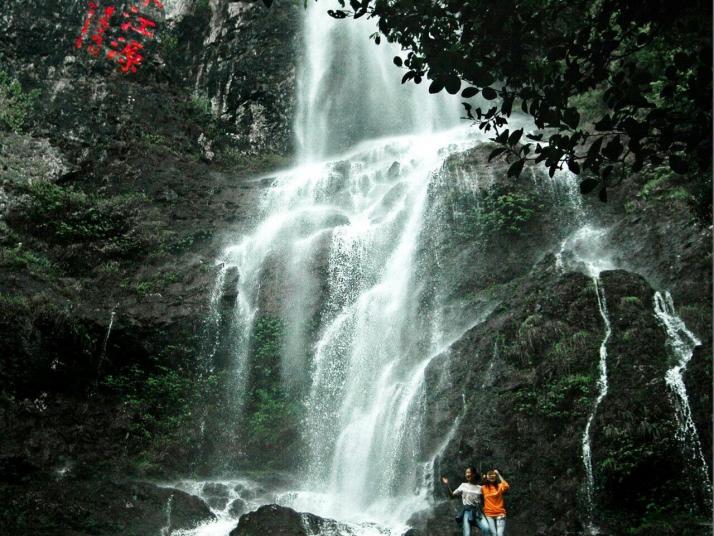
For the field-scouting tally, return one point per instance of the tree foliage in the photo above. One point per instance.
(649, 62)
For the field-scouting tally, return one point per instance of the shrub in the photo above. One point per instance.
(15, 103)
(500, 211)
(66, 216)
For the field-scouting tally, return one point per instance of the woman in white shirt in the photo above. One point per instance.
(471, 497)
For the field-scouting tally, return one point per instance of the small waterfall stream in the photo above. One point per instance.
(681, 343)
(602, 392)
(585, 250)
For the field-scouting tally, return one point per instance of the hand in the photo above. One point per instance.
(445, 480)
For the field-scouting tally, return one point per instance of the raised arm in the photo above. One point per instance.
(503, 480)
(445, 481)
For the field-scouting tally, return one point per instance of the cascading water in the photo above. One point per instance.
(585, 251)
(354, 222)
(681, 342)
(602, 392)
(365, 381)
(349, 90)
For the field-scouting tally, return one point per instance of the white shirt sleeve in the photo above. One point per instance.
(459, 490)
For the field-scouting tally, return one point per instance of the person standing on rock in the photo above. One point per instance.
(471, 498)
(493, 488)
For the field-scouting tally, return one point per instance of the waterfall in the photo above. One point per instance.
(334, 254)
(349, 90)
(586, 250)
(681, 343)
(602, 392)
(166, 531)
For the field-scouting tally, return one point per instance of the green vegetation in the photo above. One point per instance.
(498, 211)
(174, 244)
(13, 301)
(15, 104)
(157, 284)
(157, 396)
(272, 416)
(568, 397)
(201, 105)
(631, 300)
(22, 258)
(155, 402)
(237, 162)
(65, 216)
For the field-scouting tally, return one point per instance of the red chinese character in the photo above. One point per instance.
(85, 26)
(129, 57)
(143, 24)
(103, 25)
(156, 2)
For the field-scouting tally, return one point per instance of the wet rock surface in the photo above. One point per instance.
(281, 521)
(76, 507)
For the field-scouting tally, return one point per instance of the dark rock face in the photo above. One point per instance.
(114, 194)
(66, 507)
(251, 94)
(281, 521)
(515, 392)
(523, 385)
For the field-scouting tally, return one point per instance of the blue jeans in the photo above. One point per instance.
(469, 517)
(497, 525)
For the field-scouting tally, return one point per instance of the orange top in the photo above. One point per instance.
(493, 500)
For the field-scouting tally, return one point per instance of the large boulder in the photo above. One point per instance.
(281, 521)
(69, 507)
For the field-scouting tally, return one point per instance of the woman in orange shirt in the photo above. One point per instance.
(493, 488)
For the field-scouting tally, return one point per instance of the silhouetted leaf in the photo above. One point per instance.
(588, 185)
(397, 61)
(515, 137)
(469, 92)
(496, 152)
(604, 124)
(571, 117)
(613, 149)
(452, 84)
(339, 14)
(489, 93)
(436, 85)
(516, 168)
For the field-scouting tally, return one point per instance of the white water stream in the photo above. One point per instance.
(602, 392)
(586, 250)
(681, 343)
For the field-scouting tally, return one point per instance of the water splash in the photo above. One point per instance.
(681, 343)
(602, 392)
(586, 250)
